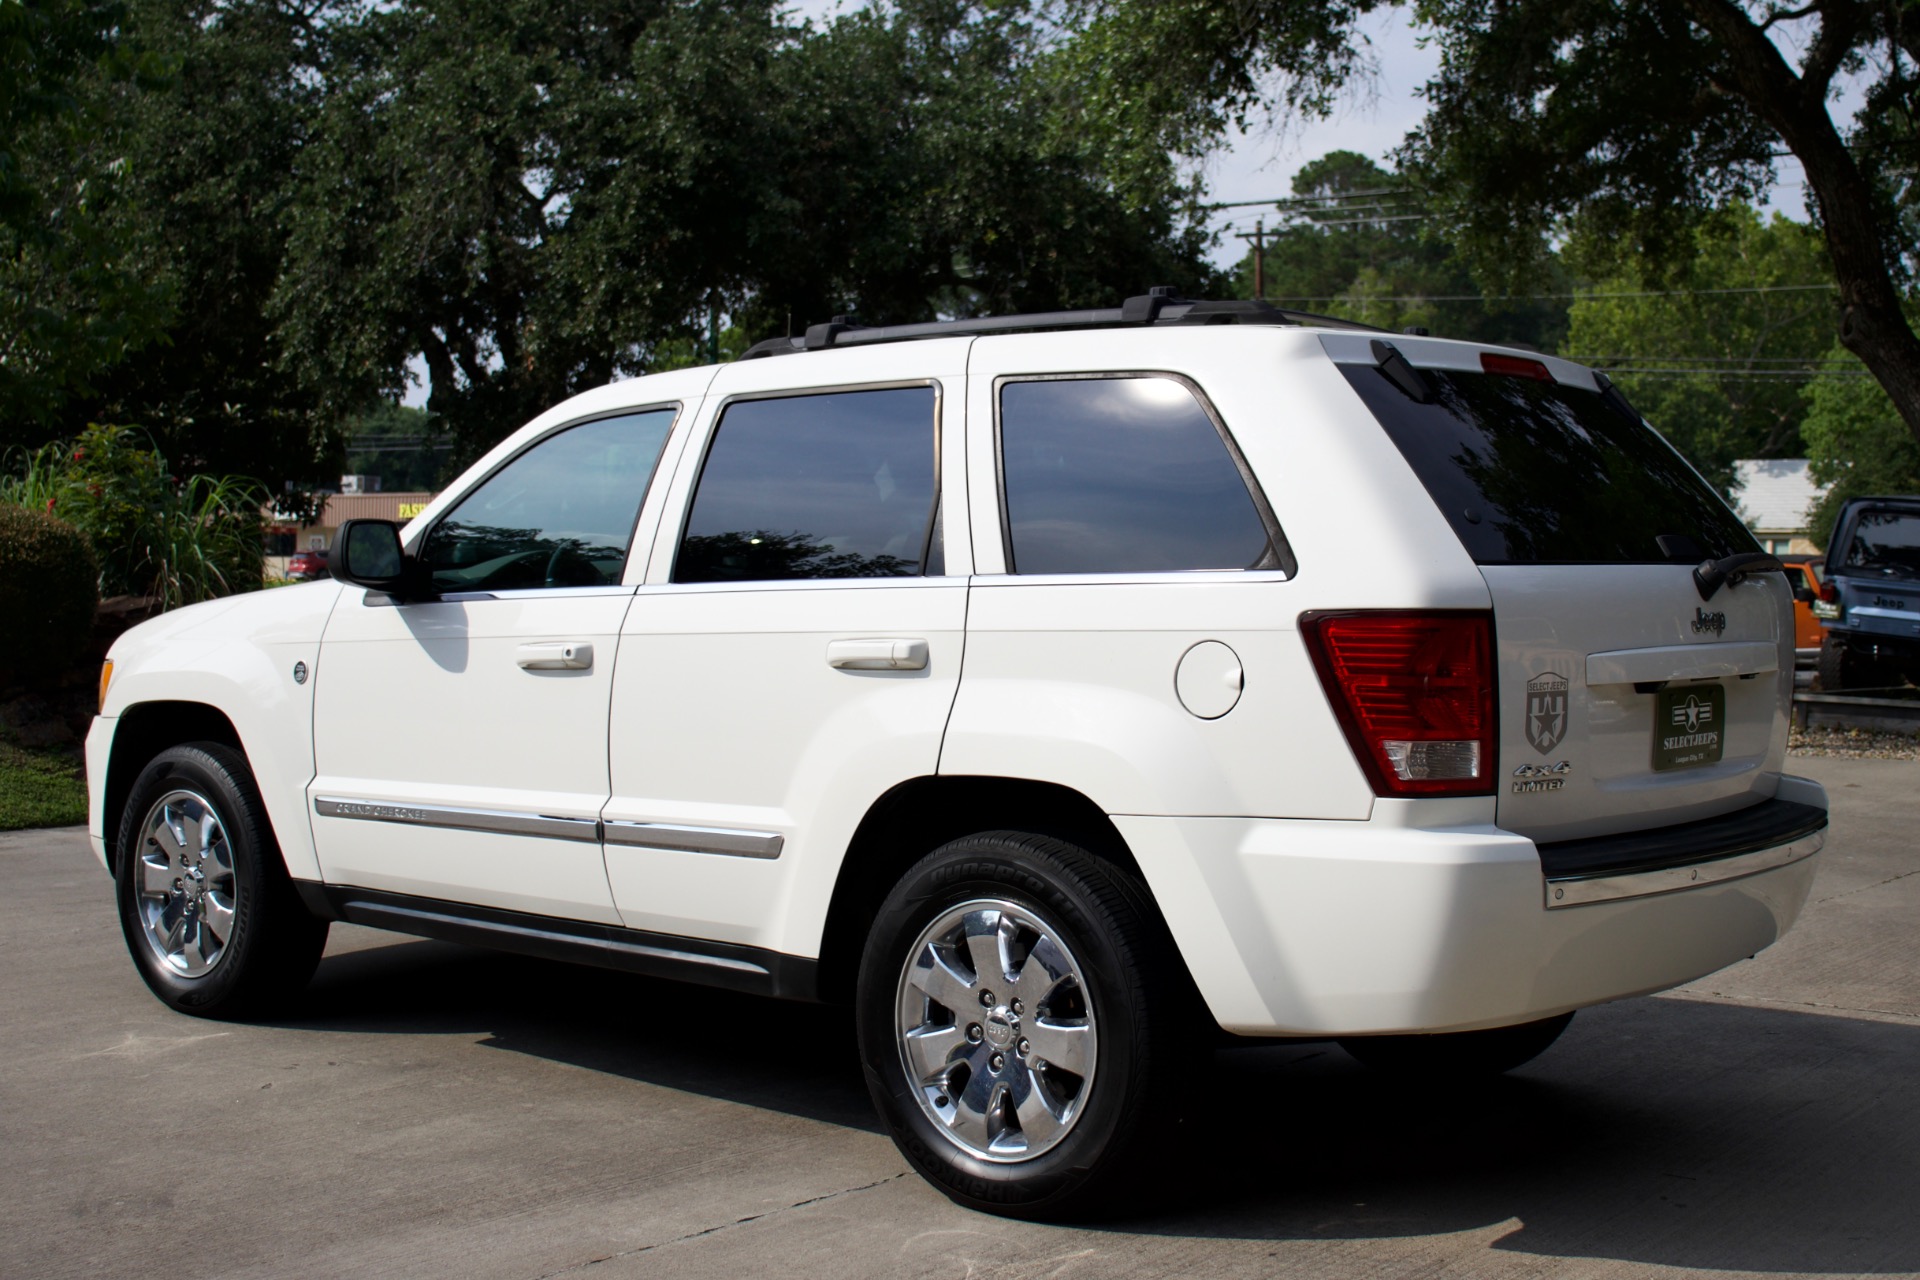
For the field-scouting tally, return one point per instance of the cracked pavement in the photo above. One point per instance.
(432, 1110)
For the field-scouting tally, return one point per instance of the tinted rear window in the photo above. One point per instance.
(1531, 472)
(1886, 543)
(1122, 475)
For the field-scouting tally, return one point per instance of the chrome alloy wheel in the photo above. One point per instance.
(996, 1030)
(184, 893)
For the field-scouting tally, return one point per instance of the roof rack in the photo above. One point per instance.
(1159, 305)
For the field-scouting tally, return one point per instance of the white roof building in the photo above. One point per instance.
(1773, 497)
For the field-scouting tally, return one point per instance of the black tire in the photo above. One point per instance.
(228, 872)
(1839, 668)
(1128, 982)
(1458, 1054)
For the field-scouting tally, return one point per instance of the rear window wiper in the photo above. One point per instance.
(1711, 575)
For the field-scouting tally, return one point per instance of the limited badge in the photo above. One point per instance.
(1546, 711)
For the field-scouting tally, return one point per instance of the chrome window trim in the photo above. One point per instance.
(494, 821)
(719, 417)
(726, 841)
(1277, 545)
(1578, 892)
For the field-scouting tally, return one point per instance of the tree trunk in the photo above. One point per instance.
(1872, 324)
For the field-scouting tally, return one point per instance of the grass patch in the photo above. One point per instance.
(40, 789)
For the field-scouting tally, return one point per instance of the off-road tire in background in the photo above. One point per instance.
(1839, 668)
(1458, 1054)
(955, 1054)
(209, 914)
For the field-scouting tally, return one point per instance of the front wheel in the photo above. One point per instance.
(210, 916)
(1019, 1017)
(1457, 1054)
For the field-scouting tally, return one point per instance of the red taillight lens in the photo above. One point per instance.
(1829, 593)
(1414, 692)
(1514, 367)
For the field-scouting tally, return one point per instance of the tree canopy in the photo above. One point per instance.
(1629, 117)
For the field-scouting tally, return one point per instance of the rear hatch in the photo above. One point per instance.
(1627, 701)
(1879, 569)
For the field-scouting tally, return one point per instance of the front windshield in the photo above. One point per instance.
(1886, 543)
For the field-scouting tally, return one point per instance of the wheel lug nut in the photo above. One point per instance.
(1026, 1046)
(1018, 1007)
(986, 999)
(973, 1032)
(996, 1062)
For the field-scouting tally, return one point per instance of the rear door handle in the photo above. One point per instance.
(555, 655)
(884, 654)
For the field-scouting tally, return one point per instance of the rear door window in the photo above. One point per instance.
(1123, 474)
(835, 485)
(1528, 471)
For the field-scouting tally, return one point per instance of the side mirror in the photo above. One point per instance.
(1808, 594)
(367, 554)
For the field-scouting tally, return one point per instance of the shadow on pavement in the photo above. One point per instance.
(1658, 1131)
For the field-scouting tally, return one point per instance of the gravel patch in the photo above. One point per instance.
(1853, 744)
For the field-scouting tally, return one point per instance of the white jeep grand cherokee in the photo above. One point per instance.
(1053, 688)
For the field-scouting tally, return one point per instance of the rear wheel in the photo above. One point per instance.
(1456, 1054)
(209, 914)
(1018, 1016)
(1840, 667)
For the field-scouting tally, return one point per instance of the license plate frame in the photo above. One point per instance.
(1689, 726)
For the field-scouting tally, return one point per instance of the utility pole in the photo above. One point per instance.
(1259, 241)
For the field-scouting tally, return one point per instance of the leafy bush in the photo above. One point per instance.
(47, 593)
(154, 534)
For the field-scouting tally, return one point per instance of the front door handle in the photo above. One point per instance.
(555, 655)
(884, 654)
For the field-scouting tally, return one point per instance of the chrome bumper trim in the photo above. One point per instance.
(495, 821)
(1577, 892)
(720, 840)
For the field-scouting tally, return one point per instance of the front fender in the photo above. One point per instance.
(240, 656)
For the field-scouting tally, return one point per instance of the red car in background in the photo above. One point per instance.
(305, 566)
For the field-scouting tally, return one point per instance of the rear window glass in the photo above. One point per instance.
(1122, 475)
(1532, 472)
(1886, 543)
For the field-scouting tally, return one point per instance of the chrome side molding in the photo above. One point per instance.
(721, 840)
(434, 815)
(1574, 891)
(724, 841)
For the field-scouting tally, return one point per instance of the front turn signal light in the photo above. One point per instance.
(106, 678)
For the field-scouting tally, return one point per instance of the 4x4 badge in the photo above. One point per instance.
(1546, 710)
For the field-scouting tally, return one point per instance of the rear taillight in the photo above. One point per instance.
(1829, 593)
(1414, 692)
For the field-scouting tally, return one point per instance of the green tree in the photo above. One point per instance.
(211, 170)
(1357, 247)
(1634, 115)
(77, 290)
(401, 445)
(1715, 349)
(1856, 441)
(541, 196)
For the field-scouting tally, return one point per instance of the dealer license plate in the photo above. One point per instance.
(1689, 726)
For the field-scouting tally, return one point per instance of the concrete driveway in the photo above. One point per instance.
(438, 1111)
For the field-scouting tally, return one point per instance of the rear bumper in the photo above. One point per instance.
(1350, 928)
